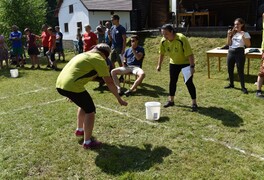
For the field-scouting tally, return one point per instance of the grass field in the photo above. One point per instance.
(223, 140)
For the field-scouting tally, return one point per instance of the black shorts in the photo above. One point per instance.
(59, 48)
(33, 51)
(83, 99)
(45, 49)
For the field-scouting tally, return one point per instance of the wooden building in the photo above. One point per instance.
(226, 10)
(149, 13)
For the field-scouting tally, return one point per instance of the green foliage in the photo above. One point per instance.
(51, 20)
(23, 13)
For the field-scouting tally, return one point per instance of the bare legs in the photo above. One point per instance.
(85, 121)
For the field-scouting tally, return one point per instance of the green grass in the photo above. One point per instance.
(223, 140)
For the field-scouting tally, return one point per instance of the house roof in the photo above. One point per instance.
(104, 5)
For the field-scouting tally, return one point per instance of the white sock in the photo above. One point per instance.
(87, 142)
(79, 129)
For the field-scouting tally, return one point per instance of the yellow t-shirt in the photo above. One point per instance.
(80, 70)
(178, 50)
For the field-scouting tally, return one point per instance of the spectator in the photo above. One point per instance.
(33, 51)
(71, 83)
(52, 48)
(59, 44)
(178, 48)
(132, 64)
(90, 39)
(80, 41)
(118, 39)
(16, 36)
(45, 42)
(107, 33)
(3, 52)
(100, 31)
(237, 40)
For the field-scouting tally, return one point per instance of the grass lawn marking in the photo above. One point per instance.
(261, 158)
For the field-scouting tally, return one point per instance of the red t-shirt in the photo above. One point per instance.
(51, 42)
(45, 38)
(89, 40)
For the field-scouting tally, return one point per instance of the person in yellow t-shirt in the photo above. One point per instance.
(71, 81)
(178, 48)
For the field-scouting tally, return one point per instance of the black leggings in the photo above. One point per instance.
(175, 70)
(236, 56)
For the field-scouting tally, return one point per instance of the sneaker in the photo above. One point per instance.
(93, 145)
(121, 93)
(55, 68)
(259, 94)
(32, 67)
(48, 66)
(245, 91)
(79, 133)
(18, 65)
(128, 93)
(169, 103)
(38, 67)
(194, 107)
(229, 86)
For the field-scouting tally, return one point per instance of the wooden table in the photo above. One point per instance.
(186, 14)
(193, 15)
(219, 53)
(208, 14)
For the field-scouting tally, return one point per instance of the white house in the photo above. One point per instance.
(78, 13)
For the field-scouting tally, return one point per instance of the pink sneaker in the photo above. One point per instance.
(93, 145)
(79, 133)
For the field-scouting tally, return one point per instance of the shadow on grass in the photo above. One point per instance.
(248, 79)
(143, 90)
(227, 117)
(151, 90)
(163, 119)
(118, 159)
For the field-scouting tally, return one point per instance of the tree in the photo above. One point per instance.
(51, 10)
(23, 13)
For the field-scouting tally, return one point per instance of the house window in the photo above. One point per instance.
(79, 25)
(66, 27)
(70, 8)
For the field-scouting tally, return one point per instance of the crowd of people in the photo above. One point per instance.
(50, 42)
(101, 49)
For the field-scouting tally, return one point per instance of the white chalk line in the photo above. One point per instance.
(235, 148)
(144, 121)
(29, 107)
(24, 93)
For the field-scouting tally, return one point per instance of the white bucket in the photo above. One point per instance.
(14, 73)
(152, 110)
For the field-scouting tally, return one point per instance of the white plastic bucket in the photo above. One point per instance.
(14, 73)
(152, 110)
